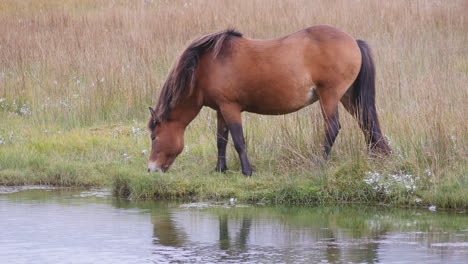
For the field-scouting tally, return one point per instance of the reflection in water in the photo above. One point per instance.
(84, 227)
(291, 235)
(223, 233)
(240, 240)
(164, 230)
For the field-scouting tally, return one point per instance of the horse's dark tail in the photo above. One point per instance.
(364, 101)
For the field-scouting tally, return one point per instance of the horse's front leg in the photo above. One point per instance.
(221, 140)
(232, 116)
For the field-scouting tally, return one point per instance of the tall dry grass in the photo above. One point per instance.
(114, 55)
(77, 63)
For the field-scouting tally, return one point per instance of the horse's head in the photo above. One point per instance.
(167, 143)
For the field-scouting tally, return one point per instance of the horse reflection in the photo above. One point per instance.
(240, 240)
(167, 232)
(225, 235)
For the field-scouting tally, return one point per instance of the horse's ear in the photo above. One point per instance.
(153, 114)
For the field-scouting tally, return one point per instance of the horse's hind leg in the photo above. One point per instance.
(332, 127)
(329, 105)
(232, 116)
(221, 140)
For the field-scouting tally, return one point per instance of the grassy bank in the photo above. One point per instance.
(77, 76)
(114, 155)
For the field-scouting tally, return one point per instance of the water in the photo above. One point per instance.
(43, 225)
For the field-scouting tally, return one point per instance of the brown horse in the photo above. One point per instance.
(232, 74)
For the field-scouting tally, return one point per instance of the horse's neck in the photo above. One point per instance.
(186, 110)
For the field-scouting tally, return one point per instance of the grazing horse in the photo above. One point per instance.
(232, 74)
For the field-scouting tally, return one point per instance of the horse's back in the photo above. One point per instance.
(280, 75)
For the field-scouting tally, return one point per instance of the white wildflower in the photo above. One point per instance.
(126, 156)
(409, 188)
(44, 106)
(453, 139)
(417, 200)
(382, 183)
(24, 110)
(432, 208)
(138, 131)
(389, 142)
(374, 178)
(2, 141)
(63, 103)
(187, 149)
(2, 104)
(11, 136)
(55, 82)
(143, 152)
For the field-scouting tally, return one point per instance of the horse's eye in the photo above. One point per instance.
(154, 138)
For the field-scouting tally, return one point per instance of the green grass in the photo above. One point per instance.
(111, 155)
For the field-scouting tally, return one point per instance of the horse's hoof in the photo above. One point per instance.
(318, 162)
(247, 173)
(221, 168)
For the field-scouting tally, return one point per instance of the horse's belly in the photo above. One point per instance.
(272, 103)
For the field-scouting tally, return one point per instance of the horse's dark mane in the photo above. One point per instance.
(181, 78)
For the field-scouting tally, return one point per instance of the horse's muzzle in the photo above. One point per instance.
(153, 167)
